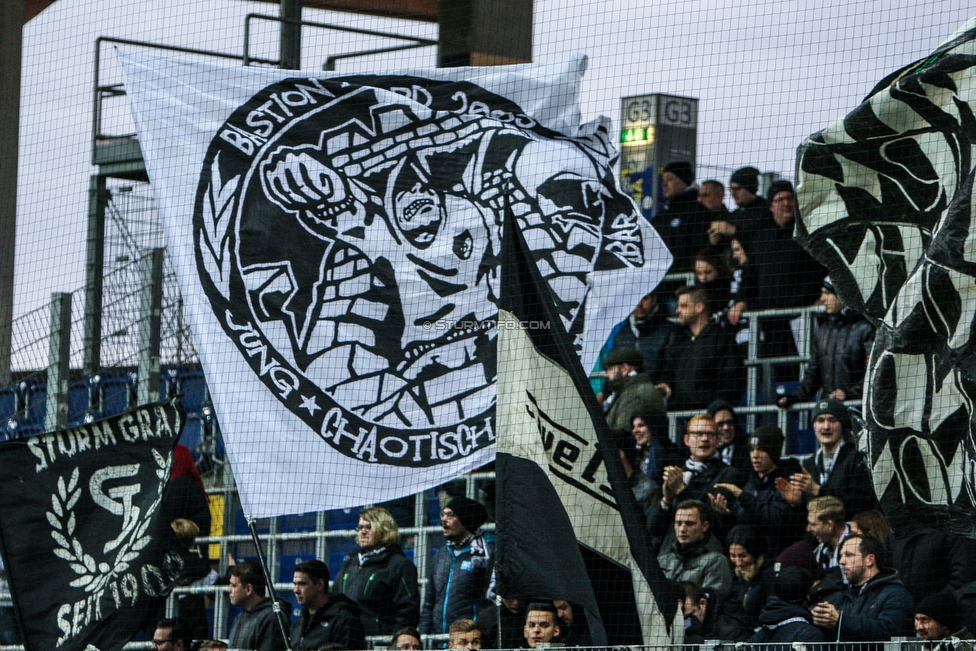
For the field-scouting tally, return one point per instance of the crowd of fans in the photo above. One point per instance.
(763, 547)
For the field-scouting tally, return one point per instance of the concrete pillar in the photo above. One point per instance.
(59, 351)
(291, 35)
(94, 273)
(150, 325)
(11, 32)
(484, 32)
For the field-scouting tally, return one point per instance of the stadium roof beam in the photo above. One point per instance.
(423, 10)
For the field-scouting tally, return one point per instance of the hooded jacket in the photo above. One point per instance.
(683, 225)
(838, 356)
(257, 629)
(335, 623)
(875, 611)
(785, 622)
(384, 586)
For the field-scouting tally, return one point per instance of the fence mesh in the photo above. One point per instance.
(686, 377)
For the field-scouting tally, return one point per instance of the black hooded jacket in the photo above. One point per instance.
(335, 623)
(785, 622)
(838, 356)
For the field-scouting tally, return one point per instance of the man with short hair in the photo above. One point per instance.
(171, 635)
(693, 556)
(628, 392)
(712, 195)
(701, 360)
(407, 639)
(465, 634)
(458, 576)
(838, 468)
(511, 616)
(937, 618)
(694, 480)
(876, 606)
(572, 629)
(332, 619)
(839, 352)
(541, 623)
(259, 627)
(646, 330)
(693, 607)
(826, 521)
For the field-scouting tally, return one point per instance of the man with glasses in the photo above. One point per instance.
(750, 207)
(733, 445)
(695, 480)
(171, 635)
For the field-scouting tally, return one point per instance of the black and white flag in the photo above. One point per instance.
(84, 551)
(337, 239)
(885, 196)
(560, 481)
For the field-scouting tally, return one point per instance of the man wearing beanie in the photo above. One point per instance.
(683, 222)
(787, 276)
(750, 207)
(838, 352)
(759, 504)
(937, 618)
(785, 617)
(458, 578)
(838, 467)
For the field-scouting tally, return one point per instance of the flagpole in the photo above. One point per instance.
(275, 604)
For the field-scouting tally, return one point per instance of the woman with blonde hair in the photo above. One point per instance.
(379, 577)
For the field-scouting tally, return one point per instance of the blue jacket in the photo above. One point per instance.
(876, 611)
(457, 582)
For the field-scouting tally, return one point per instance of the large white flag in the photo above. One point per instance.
(336, 239)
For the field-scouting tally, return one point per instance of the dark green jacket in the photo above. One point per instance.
(384, 586)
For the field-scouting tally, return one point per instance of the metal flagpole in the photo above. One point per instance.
(275, 604)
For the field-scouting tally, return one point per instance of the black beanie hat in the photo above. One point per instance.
(682, 170)
(782, 185)
(942, 607)
(835, 408)
(769, 439)
(747, 177)
(471, 514)
(792, 584)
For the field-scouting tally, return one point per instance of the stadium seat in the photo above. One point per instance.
(78, 402)
(8, 402)
(193, 386)
(113, 393)
(801, 441)
(191, 436)
(36, 398)
(300, 522)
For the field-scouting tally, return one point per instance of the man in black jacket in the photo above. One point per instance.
(838, 353)
(694, 480)
(259, 626)
(759, 503)
(326, 619)
(838, 468)
(876, 607)
(683, 223)
(701, 357)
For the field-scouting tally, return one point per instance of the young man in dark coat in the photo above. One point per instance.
(380, 578)
(694, 480)
(701, 357)
(683, 223)
(459, 575)
(258, 627)
(838, 468)
(759, 503)
(785, 617)
(733, 444)
(876, 606)
(838, 353)
(326, 619)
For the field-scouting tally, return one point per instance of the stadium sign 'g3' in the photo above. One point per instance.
(347, 235)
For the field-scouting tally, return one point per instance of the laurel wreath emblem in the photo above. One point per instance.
(92, 575)
(219, 204)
